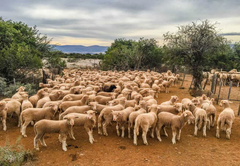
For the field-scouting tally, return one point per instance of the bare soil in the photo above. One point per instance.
(113, 150)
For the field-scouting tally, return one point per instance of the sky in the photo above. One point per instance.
(99, 22)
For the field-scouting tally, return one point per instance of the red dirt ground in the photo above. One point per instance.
(113, 150)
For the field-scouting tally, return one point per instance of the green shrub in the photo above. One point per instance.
(14, 154)
(9, 91)
(3, 85)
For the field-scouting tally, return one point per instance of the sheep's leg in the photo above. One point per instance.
(179, 134)
(205, 127)
(32, 123)
(60, 138)
(99, 128)
(4, 124)
(64, 144)
(134, 136)
(24, 127)
(174, 133)
(123, 129)
(217, 131)
(196, 127)
(152, 130)
(144, 136)
(209, 120)
(158, 129)
(228, 131)
(71, 133)
(89, 134)
(129, 130)
(43, 143)
(36, 139)
(105, 124)
(165, 132)
(214, 119)
(117, 128)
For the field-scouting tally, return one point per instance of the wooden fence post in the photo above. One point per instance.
(14, 81)
(213, 83)
(229, 92)
(216, 82)
(238, 109)
(205, 82)
(184, 74)
(219, 91)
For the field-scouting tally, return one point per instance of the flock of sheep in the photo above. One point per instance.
(128, 98)
(226, 77)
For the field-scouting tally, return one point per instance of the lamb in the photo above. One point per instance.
(75, 109)
(225, 119)
(3, 114)
(87, 120)
(66, 104)
(97, 107)
(186, 101)
(63, 127)
(18, 96)
(176, 122)
(103, 100)
(174, 109)
(57, 95)
(42, 101)
(171, 101)
(133, 116)
(167, 84)
(72, 97)
(26, 103)
(105, 117)
(36, 114)
(40, 94)
(109, 89)
(107, 94)
(145, 121)
(14, 106)
(211, 112)
(200, 118)
(121, 118)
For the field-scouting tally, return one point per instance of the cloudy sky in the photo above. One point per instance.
(99, 22)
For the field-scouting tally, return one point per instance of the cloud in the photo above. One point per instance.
(103, 21)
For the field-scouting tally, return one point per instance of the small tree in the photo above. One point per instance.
(191, 46)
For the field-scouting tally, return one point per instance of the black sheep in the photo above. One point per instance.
(109, 89)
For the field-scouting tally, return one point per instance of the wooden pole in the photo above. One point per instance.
(213, 83)
(14, 81)
(216, 82)
(191, 83)
(205, 82)
(229, 90)
(238, 109)
(219, 91)
(184, 74)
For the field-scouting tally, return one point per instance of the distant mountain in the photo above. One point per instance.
(81, 49)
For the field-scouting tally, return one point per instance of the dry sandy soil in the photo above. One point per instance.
(113, 150)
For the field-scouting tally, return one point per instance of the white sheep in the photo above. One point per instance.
(225, 119)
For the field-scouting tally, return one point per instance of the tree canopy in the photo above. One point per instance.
(193, 45)
(130, 54)
(21, 47)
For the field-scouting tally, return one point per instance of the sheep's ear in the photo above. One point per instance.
(184, 114)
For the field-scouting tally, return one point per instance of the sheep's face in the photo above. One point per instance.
(2, 105)
(113, 102)
(91, 114)
(117, 116)
(178, 107)
(196, 101)
(93, 105)
(153, 108)
(224, 103)
(190, 118)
